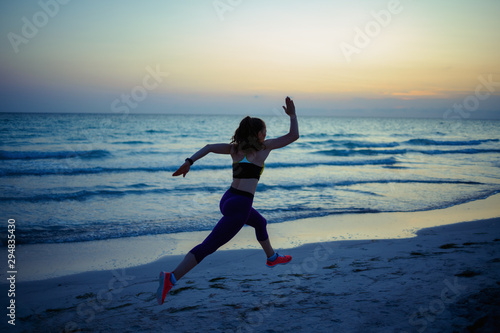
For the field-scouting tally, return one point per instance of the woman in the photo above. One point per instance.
(248, 149)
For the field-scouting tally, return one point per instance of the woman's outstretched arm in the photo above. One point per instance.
(218, 148)
(293, 133)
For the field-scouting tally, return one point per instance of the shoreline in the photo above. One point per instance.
(443, 279)
(45, 261)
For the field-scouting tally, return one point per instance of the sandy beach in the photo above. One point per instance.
(426, 273)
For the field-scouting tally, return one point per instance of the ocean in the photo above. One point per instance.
(83, 177)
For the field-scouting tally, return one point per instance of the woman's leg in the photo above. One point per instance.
(187, 264)
(258, 222)
(223, 232)
(266, 246)
(236, 211)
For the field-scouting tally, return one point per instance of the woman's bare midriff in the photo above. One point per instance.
(247, 185)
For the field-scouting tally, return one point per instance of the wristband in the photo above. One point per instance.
(189, 160)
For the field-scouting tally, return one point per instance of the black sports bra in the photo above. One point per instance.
(245, 169)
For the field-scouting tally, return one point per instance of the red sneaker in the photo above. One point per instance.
(279, 260)
(164, 288)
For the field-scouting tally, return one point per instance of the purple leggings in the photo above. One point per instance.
(236, 206)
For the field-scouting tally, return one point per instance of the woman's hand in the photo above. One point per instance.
(183, 170)
(290, 107)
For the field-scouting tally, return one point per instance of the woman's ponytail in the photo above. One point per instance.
(246, 135)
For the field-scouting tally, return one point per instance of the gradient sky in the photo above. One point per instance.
(246, 57)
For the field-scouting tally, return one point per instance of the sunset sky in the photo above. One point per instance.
(345, 58)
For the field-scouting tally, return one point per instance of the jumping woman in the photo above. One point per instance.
(248, 149)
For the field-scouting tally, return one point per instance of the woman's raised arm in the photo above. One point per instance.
(293, 133)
